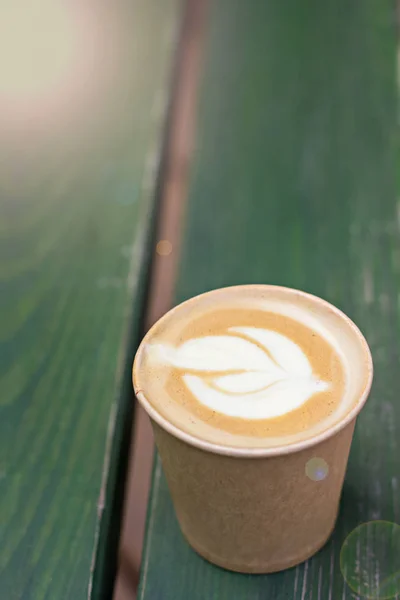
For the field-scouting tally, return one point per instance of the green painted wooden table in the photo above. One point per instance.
(77, 181)
(294, 181)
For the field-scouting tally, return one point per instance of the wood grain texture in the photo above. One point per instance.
(294, 182)
(76, 201)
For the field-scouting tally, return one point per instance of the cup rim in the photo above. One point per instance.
(258, 452)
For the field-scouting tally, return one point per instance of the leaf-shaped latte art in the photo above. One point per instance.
(251, 372)
(216, 353)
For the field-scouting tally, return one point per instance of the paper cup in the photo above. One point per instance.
(257, 510)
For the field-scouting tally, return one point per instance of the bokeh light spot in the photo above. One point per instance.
(370, 560)
(164, 248)
(317, 469)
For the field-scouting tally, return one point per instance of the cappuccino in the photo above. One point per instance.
(249, 366)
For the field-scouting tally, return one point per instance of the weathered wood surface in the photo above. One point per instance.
(76, 209)
(293, 182)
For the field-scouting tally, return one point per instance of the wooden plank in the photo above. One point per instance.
(293, 182)
(77, 184)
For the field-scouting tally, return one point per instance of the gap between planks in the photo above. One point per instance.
(164, 267)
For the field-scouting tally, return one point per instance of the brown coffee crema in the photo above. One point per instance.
(271, 368)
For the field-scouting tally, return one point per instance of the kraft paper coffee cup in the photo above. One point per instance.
(257, 510)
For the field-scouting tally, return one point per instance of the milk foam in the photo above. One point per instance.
(221, 366)
(249, 372)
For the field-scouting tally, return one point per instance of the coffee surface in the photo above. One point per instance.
(245, 367)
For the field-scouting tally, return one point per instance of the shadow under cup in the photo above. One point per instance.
(261, 510)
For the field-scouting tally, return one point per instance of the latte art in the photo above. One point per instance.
(249, 366)
(250, 372)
